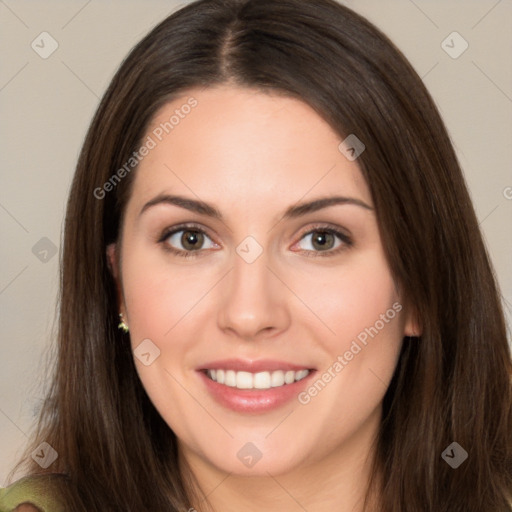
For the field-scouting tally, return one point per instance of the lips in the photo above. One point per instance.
(254, 386)
(262, 365)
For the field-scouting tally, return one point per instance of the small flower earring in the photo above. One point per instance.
(122, 325)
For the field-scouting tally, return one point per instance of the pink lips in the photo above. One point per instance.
(239, 365)
(253, 400)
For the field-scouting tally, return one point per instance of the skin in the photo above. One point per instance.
(253, 155)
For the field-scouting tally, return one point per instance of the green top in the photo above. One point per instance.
(42, 491)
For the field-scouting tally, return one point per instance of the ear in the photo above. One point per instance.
(113, 266)
(112, 260)
(412, 326)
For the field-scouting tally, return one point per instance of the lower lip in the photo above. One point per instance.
(254, 400)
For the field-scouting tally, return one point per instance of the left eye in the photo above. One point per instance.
(190, 240)
(322, 240)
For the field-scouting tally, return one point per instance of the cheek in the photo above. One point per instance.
(353, 298)
(160, 302)
(159, 295)
(363, 308)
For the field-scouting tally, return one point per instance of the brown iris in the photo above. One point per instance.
(192, 240)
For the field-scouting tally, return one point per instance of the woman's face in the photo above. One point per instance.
(277, 286)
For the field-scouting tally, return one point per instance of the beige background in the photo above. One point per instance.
(47, 104)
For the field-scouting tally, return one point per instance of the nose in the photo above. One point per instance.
(253, 304)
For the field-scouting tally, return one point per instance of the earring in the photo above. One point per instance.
(122, 324)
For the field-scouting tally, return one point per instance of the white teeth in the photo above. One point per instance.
(244, 380)
(230, 378)
(301, 374)
(277, 379)
(289, 377)
(260, 380)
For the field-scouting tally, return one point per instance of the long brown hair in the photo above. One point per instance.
(452, 384)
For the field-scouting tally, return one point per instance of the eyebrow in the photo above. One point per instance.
(295, 211)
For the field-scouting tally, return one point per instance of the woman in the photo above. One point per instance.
(274, 289)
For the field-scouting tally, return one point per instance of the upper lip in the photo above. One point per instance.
(252, 366)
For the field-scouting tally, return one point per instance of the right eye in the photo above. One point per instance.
(184, 241)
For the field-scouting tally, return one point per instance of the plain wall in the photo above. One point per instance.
(47, 104)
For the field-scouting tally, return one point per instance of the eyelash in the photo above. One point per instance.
(344, 238)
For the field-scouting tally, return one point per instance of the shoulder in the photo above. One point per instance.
(37, 493)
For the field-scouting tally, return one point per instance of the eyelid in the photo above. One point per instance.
(326, 226)
(166, 233)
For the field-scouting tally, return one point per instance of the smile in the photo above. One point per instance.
(260, 380)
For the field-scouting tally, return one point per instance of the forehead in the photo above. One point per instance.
(230, 144)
